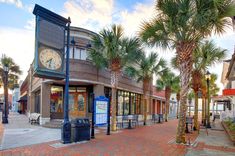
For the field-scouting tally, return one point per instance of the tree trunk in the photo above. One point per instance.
(145, 88)
(145, 109)
(168, 95)
(184, 51)
(196, 112)
(178, 99)
(114, 84)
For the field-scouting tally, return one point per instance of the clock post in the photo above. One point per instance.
(49, 56)
(66, 127)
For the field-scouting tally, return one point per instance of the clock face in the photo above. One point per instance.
(50, 59)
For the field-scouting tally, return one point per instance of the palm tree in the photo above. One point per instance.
(110, 49)
(8, 77)
(205, 55)
(170, 83)
(181, 24)
(144, 71)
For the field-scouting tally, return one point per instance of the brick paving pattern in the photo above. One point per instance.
(149, 140)
(154, 140)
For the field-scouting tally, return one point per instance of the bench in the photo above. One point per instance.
(135, 120)
(34, 118)
(155, 118)
(122, 120)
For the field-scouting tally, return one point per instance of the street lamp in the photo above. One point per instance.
(189, 105)
(66, 126)
(5, 110)
(208, 77)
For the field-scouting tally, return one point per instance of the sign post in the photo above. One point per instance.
(93, 118)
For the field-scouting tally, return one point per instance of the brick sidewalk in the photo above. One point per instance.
(153, 140)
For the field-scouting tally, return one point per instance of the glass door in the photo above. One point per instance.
(77, 104)
(56, 102)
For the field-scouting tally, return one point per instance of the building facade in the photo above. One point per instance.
(15, 98)
(228, 98)
(46, 96)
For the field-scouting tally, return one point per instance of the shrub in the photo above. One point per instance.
(228, 122)
(232, 127)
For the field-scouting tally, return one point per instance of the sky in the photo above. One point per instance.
(17, 25)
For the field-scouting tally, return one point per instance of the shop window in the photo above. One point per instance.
(71, 102)
(133, 103)
(56, 104)
(83, 54)
(126, 103)
(81, 101)
(77, 53)
(37, 101)
(120, 103)
(107, 92)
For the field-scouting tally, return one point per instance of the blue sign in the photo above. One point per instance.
(101, 110)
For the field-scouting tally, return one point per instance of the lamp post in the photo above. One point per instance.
(5, 110)
(190, 104)
(66, 127)
(208, 77)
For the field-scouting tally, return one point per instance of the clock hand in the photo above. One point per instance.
(49, 61)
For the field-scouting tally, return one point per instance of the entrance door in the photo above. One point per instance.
(77, 104)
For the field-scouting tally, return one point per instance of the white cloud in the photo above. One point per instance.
(19, 45)
(90, 14)
(17, 3)
(131, 20)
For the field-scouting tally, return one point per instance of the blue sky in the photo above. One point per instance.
(17, 24)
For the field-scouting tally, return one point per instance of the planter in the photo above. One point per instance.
(230, 133)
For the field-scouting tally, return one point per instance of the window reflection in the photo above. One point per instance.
(56, 99)
(128, 103)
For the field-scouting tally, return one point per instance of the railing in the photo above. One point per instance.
(227, 114)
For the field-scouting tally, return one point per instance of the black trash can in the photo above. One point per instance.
(80, 129)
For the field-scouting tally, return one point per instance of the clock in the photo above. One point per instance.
(50, 59)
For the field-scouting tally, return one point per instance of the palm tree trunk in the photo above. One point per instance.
(168, 95)
(145, 109)
(167, 109)
(196, 112)
(145, 88)
(178, 99)
(184, 51)
(114, 84)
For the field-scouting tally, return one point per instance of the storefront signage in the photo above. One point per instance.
(229, 92)
(49, 44)
(101, 110)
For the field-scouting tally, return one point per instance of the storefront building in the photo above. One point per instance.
(46, 96)
(227, 100)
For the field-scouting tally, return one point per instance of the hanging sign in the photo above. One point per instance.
(49, 44)
(101, 110)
